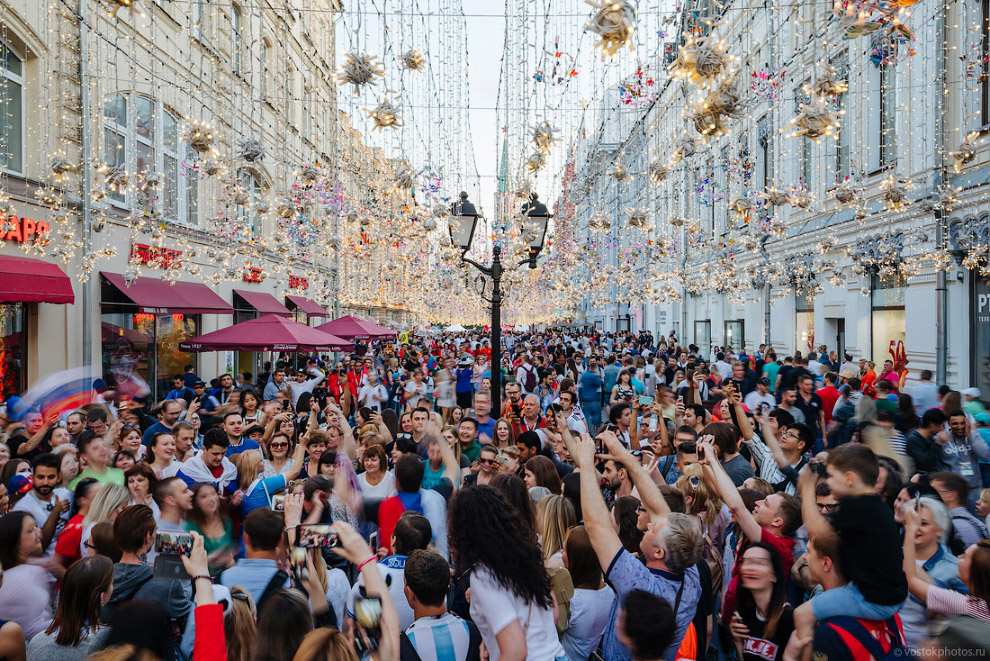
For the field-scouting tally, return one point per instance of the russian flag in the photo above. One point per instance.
(59, 393)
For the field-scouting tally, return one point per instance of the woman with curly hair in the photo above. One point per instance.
(511, 602)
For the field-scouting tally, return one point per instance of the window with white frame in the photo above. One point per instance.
(142, 137)
(881, 115)
(248, 214)
(11, 110)
(843, 139)
(200, 19)
(236, 38)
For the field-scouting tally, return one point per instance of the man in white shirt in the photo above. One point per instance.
(373, 395)
(47, 502)
(815, 367)
(304, 382)
(759, 397)
(723, 367)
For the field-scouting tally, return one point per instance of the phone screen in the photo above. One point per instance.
(368, 618)
(173, 543)
(317, 536)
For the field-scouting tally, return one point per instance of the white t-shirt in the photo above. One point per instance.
(418, 391)
(393, 566)
(40, 510)
(381, 491)
(753, 400)
(589, 617)
(493, 608)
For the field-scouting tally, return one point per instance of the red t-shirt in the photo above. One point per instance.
(216, 471)
(68, 542)
(829, 395)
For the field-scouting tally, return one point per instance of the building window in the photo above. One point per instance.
(888, 319)
(200, 19)
(881, 120)
(804, 323)
(248, 214)
(703, 335)
(11, 110)
(236, 38)
(735, 335)
(141, 137)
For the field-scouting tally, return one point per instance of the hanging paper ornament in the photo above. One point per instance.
(705, 121)
(536, 161)
(894, 192)
(405, 177)
(360, 70)
(743, 207)
(801, 198)
(116, 178)
(250, 150)
(701, 61)
(826, 85)
(619, 173)
(385, 116)
(860, 23)
(598, 222)
(614, 22)
(948, 197)
(686, 148)
(261, 206)
(677, 221)
(543, 136)
(965, 152)
(845, 193)
(152, 180)
(286, 208)
(310, 173)
(775, 197)
(815, 120)
(413, 60)
(199, 137)
(638, 217)
(524, 189)
(61, 166)
(658, 171)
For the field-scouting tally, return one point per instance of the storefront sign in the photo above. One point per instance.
(22, 229)
(298, 282)
(252, 274)
(164, 257)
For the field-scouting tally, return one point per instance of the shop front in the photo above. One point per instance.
(804, 323)
(24, 283)
(143, 322)
(304, 309)
(887, 318)
(980, 333)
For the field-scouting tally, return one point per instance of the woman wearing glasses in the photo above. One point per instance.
(279, 462)
(488, 465)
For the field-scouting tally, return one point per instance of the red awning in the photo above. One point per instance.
(355, 329)
(268, 332)
(27, 280)
(153, 296)
(263, 303)
(307, 305)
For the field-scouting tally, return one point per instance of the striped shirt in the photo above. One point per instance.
(440, 638)
(948, 602)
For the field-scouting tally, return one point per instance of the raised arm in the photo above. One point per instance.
(649, 493)
(597, 520)
(739, 416)
(727, 491)
(773, 444)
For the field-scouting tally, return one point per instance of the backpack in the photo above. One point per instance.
(714, 561)
(862, 636)
(563, 591)
(530, 381)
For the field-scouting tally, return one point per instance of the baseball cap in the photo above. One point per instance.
(764, 381)
(982, 418)
(19, 484)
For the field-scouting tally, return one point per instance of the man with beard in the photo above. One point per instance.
(46, 502)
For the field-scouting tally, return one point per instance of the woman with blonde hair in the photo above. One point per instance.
(325, 644)
(257, 490)
(109, 501)
(239, 624)
(554, 517)
(714, 515)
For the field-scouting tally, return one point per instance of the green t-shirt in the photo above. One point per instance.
(472, 452)
(770, 371)
(111, 476)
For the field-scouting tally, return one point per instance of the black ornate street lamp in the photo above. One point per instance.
(462, 223)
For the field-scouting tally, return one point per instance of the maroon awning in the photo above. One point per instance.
(307, 305)
(153, 296)
(268, 332)
(353, 328)
(263, 303)
(28, 280)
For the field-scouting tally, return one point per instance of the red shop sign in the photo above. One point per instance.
(298, 282)
(253, 274)
(21, 229)
(165, 257)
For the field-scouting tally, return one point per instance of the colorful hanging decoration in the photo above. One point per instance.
(360, 70)
(743, 207)
(639, 89)
(614, 22)
(766, 83)
(845, 193)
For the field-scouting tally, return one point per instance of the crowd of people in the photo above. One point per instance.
(632, 499)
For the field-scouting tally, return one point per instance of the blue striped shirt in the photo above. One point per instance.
(440, 638)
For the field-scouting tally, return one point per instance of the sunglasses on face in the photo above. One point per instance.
(487, 462)
(279, 445)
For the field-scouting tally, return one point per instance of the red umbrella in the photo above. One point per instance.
(356, 329)
(268, 332)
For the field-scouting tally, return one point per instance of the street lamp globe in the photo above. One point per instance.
(535, 217)
(463, 217)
